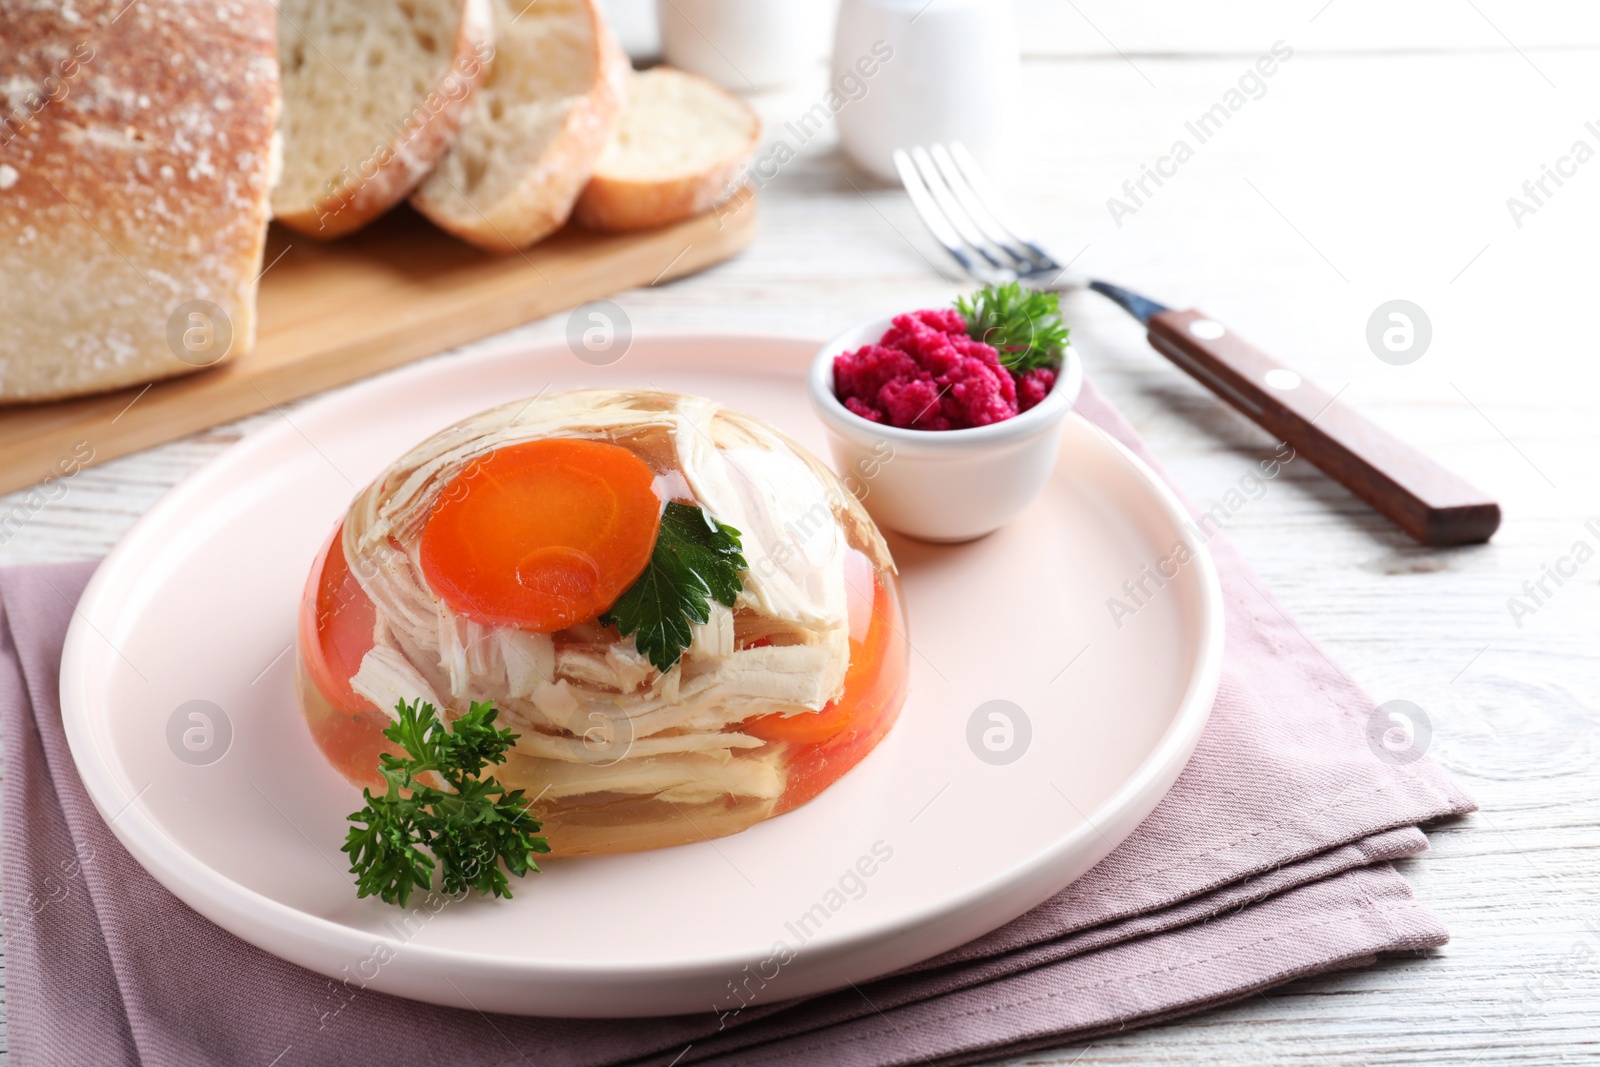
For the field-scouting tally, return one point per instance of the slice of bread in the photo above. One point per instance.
(676, 151)
(538, 123)
(373, 96)
(135, 172)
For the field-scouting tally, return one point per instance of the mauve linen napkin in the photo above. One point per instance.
(1267, 861)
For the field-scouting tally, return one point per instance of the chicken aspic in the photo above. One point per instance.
(688, 621)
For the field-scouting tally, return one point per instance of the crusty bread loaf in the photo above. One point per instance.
(135, 171)
(675, 151)
(373, 95)
(538, 123)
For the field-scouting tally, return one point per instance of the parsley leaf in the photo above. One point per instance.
(1023, 325)
(472, 826)
(695, 559)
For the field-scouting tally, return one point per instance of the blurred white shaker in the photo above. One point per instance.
(746, 45)
(954, 76)
(635, 25)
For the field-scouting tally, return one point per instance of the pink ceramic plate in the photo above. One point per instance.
(1038, 731)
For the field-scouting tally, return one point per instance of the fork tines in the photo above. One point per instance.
(967, 214)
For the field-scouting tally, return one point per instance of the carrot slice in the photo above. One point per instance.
(876, 705)
(542, 535)
(336, 624)
(868, 681)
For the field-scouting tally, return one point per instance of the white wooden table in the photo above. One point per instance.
(1377, 165)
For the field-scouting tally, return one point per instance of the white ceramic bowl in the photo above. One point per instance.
(942, 485)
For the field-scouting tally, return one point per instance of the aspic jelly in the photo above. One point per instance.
(688, 622)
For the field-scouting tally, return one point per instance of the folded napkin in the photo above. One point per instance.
(1266, 862)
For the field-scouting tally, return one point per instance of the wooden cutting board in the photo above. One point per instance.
(332, 313)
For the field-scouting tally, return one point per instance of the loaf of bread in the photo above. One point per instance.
(135, 174)
(536, 128)
(676, 151)
(373, 95)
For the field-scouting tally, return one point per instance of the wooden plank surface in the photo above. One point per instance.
(1358, 178)
(337, 312)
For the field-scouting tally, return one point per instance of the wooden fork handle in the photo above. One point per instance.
(1424, 499)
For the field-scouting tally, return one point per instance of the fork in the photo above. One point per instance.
(966, 214)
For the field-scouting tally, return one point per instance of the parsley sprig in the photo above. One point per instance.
(696, 558)
(1023, 325)
(475, 828)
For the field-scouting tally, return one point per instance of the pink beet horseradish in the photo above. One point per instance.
(947, 422)
(989, 358)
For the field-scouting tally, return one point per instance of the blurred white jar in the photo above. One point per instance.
(954, 74)
(634, 23)
(746, 45)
